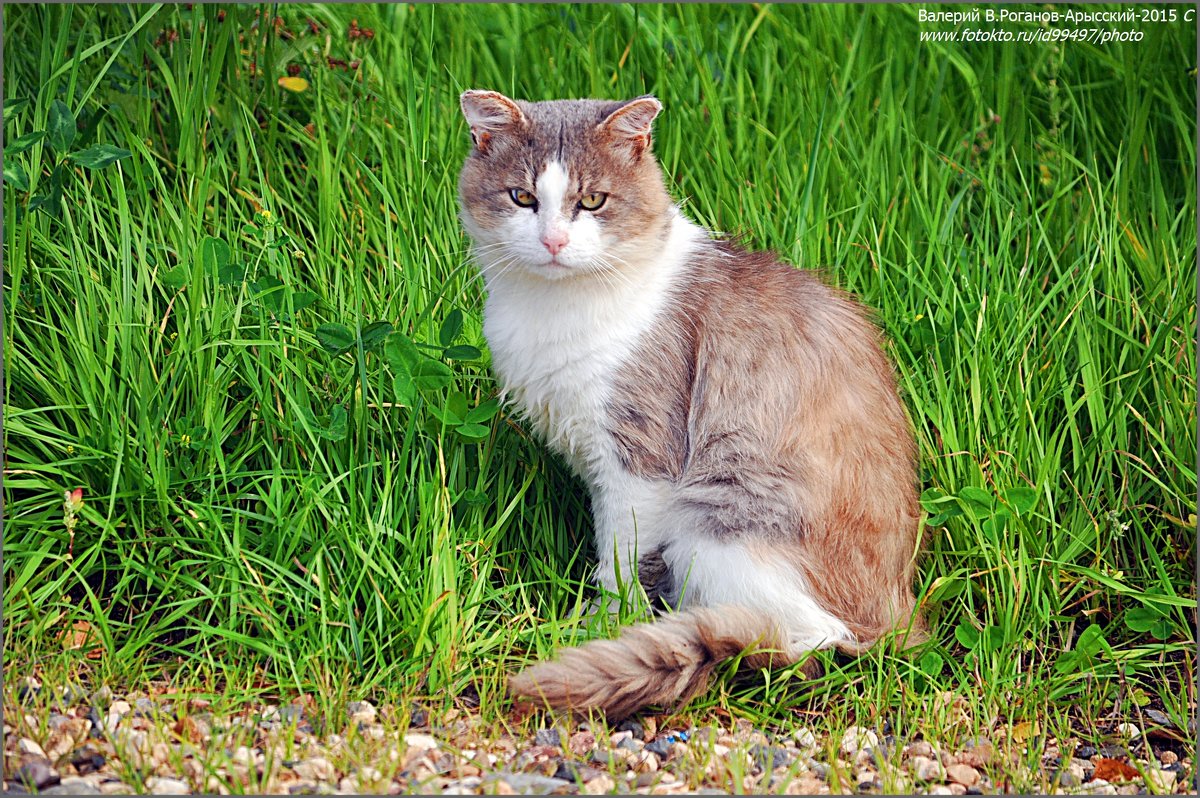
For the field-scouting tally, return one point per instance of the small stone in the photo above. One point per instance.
(30, 747)
(805, 784)
(530, 784)
(36, 774)
(818, 769)
(572, 772)
(963, 774)
(926, 769)
(1099, 787)
(941, 789)
(631, 744)
(1067, 778)
(633, 727)
(72, 786)
(316, 769)
(1161, 781)
(977, 753)
(87, 760)
(1085, 751)
(292, 713)
(361, 712)
(660, 746)
(919, 748)
(102, 698)
(957, 789)
(115, 788)
(420, 742)
(548, 737)
(805, 739)
(1168, 757)
(769, 757)
(162, 786)
(581, 743)
(1160, 717)
(119, 708)
(601, 784)
(1129, 731)
(1114, 751)
(856, 738)
(144, 708)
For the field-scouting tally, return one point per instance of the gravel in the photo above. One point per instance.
(112, 743)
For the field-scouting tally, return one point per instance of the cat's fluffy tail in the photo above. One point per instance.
(667, 662)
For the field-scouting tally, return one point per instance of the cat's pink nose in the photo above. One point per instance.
(555, 241)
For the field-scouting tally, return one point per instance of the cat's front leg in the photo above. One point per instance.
(629, 539)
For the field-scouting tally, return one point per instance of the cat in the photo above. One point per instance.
(736, 422)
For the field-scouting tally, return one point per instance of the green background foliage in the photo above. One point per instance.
(255, 341)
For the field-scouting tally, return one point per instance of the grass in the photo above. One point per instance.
(266, 510)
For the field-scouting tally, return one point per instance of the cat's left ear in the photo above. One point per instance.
(629, 125)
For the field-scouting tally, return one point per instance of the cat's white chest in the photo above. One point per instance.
(558, 347)
(557, 354)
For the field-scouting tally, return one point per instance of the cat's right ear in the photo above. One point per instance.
(488, 113)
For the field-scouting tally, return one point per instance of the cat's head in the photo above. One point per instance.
(562, 188)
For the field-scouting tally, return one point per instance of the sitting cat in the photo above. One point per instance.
(734, 418)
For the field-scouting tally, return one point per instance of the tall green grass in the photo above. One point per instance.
(1022, 218)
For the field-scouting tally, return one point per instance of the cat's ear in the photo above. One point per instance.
(489, 113)
(629, 125)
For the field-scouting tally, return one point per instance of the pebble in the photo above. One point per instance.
(316, 769)
(581, 743)
(421, 742)
(631, 744)
(573, 772)
(769, 757)
(918, 748)
(1085, 751)
(36, 774)
(660, 746)
(805, 739)
(926, 769)
(601, 784)
(144, 708)
(71, 786)
(1159, 717)
(548, 737)
(977, 753)
(1161, 781)
(292, 713)
(1099, 787)
(633, 727)
(30, 748)
(102, 698)
(1129, 731)
(120, 708)
(164, 786)
(857, 738)
(529, 784)
(361, 712)
(1168, 757)
(962, 774)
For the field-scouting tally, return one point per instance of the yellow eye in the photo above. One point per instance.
(593, 201)
(522, 197)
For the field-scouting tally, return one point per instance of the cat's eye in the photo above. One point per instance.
(593, 201)
(522, 197)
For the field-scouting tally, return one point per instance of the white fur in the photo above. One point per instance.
(558, 346)
(731, 573)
